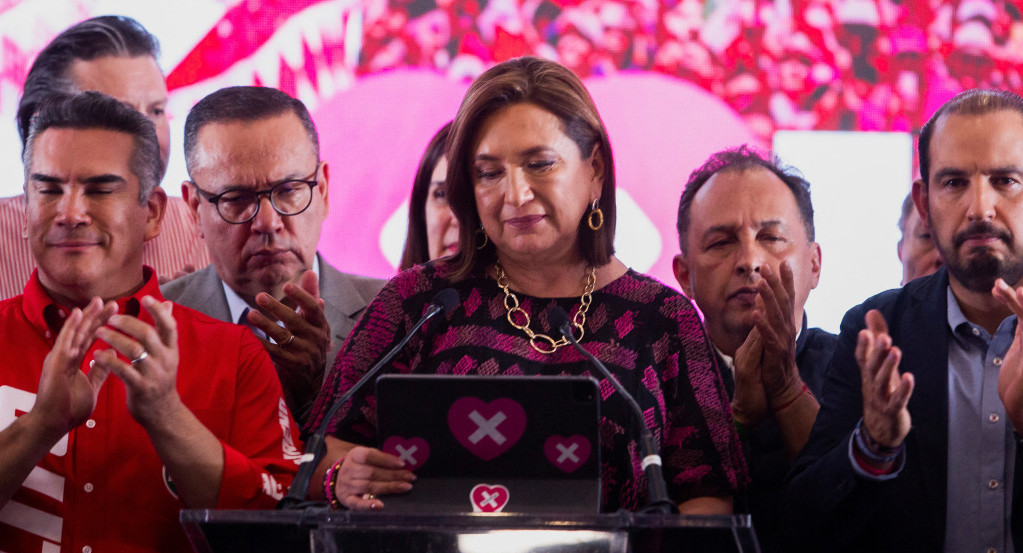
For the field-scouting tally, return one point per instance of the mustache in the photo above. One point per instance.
(980, 229)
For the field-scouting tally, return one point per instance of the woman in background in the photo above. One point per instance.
(432, 228)
(532, 184)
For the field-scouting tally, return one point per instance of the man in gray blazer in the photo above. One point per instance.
(259, 193)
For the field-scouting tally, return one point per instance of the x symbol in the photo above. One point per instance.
(487, 427)
(406, 455)
(489, 499)
(568, 453)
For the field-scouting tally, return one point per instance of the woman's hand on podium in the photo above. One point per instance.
(368, 473)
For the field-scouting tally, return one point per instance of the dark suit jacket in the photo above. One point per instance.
(832, 508)
(344, 295)
(764, 448)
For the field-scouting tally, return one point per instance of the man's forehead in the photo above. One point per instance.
(952, 128)
(127, 78)
(83, 147)
(81, 157)
(266, 140)
(753, 195)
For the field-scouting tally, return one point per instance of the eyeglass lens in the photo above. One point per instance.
(287, 198)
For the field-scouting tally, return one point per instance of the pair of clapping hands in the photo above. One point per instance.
(67, 395)
(766, 376)
(886, 392)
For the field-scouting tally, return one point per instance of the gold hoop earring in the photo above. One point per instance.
(595, 212)
(480, 244)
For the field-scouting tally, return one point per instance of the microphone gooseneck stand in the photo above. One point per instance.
(658, 501)
(445, 301)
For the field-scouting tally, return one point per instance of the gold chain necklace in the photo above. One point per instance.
(542, 342)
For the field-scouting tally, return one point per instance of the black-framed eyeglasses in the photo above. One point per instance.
(287, 197)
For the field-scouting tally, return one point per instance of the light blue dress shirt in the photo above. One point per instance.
(981, 446)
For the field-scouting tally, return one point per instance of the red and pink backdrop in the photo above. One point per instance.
(834, 86)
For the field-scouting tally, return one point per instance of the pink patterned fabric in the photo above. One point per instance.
(178, 245)
(642, 330)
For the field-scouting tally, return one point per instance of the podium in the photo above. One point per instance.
(326, 531)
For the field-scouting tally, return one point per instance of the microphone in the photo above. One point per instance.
(657, 491)
(446, 300)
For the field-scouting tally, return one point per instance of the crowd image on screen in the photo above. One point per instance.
(799, 64)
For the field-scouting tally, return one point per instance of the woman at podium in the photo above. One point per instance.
(531, 182)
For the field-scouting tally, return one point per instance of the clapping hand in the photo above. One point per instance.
(773, 320)
(749, 404)
(150, 375)
(67, 396)
(885, 392)
(299, 348)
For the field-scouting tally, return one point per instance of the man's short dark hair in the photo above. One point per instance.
(243, 103)
(741, 159)
(970, 102)
(108, 35)
(94, 110)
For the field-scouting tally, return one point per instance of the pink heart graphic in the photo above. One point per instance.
(488, 498)
(568, 454)
(414, 451)
(486, 429)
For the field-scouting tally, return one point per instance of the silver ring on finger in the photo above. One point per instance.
(141, 357)
(291, 338)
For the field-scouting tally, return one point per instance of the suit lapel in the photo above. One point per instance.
(205, 293)
(214, 298)
(342, 301)
(924, 339)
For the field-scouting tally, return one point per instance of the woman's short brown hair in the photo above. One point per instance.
(555, 89)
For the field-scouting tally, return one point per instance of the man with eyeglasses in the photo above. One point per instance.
(259, 193)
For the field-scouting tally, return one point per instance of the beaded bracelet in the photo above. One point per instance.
(873, 451)
(330, 484)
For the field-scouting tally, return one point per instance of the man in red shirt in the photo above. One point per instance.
(114, 55)
(194, 416)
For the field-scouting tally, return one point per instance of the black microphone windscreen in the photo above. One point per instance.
(446, 299)
(559, 319)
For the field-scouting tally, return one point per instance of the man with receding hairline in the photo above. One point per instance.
(749, 261)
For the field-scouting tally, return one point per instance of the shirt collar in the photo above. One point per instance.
(957, 320)
(47, 316)
(728, 360)
(238, 306)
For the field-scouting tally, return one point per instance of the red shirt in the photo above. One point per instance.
(102, 488)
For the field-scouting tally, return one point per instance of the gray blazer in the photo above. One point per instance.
(345, 296)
